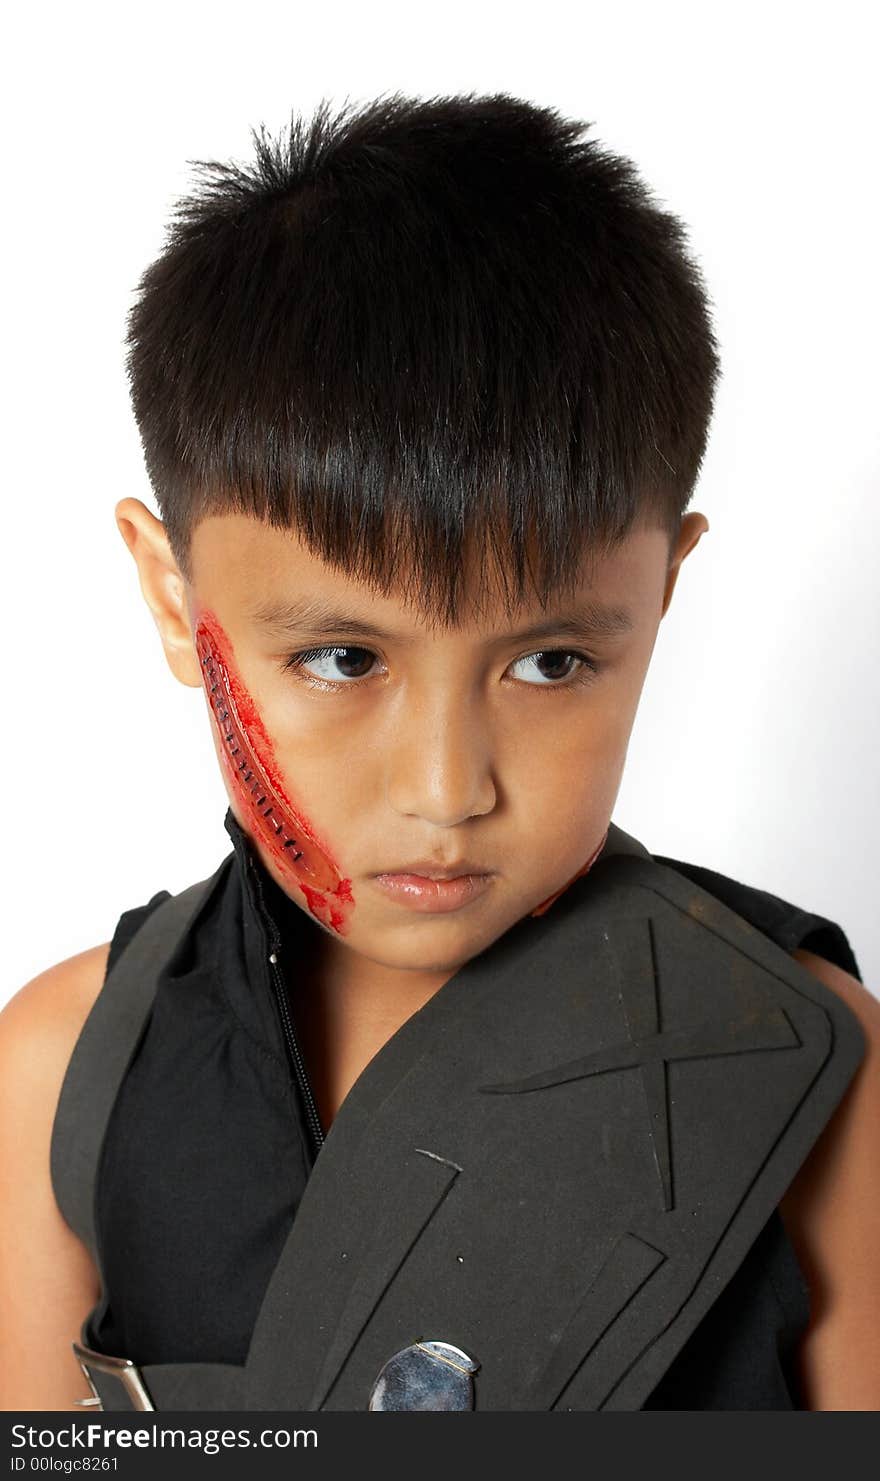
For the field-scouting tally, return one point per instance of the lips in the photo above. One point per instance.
(433, 896)
(425, 869)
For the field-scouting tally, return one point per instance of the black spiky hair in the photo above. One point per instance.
(420, 328)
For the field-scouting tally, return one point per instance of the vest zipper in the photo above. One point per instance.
(312, 1116)
(294, 1055)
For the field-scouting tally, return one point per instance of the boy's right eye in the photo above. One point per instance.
(328, 657)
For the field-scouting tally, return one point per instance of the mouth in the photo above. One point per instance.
(436, 892)
(424, 870)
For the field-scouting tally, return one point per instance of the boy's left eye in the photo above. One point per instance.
(357, 667)
(556, 658)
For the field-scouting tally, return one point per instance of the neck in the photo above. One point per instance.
(347, 982)
(346, 1008)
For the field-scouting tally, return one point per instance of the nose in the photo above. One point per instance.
(440, 763)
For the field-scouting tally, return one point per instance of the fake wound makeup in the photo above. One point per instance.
(266, 810)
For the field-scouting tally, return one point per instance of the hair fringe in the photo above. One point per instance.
(420, 330)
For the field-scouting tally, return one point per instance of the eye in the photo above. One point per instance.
(558, 662)
(334, 665)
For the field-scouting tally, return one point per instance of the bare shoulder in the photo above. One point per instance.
(831, 1212)
(48, 1281)
(42, 1022)
(864, 1003)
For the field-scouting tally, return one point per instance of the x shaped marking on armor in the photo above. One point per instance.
(650, 1048)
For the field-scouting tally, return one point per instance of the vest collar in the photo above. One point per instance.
(266, 902)
(256, 919)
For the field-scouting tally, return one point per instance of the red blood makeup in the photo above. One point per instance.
(267, 812)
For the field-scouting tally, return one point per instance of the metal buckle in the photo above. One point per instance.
(124, 1369)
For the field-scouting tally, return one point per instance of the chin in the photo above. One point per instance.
(430, 947)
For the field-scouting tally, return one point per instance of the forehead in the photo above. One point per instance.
(259, 572)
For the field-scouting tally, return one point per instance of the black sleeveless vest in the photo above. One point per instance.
(214, 1133)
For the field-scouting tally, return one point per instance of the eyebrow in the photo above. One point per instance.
(313, 617)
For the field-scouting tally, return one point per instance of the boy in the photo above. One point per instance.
(423, 396)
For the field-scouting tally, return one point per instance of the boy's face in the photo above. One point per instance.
(402, 746)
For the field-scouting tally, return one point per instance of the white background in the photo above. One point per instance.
(755, 748)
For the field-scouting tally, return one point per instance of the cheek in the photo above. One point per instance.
(267, 812)
(586, 779)
(579, 874)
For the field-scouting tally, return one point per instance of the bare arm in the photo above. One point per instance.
(832, 1214)
(48, 1281)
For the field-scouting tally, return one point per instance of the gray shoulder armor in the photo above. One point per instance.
(552, 1169)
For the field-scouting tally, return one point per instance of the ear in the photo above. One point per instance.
(692, 527)
(162, 586)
